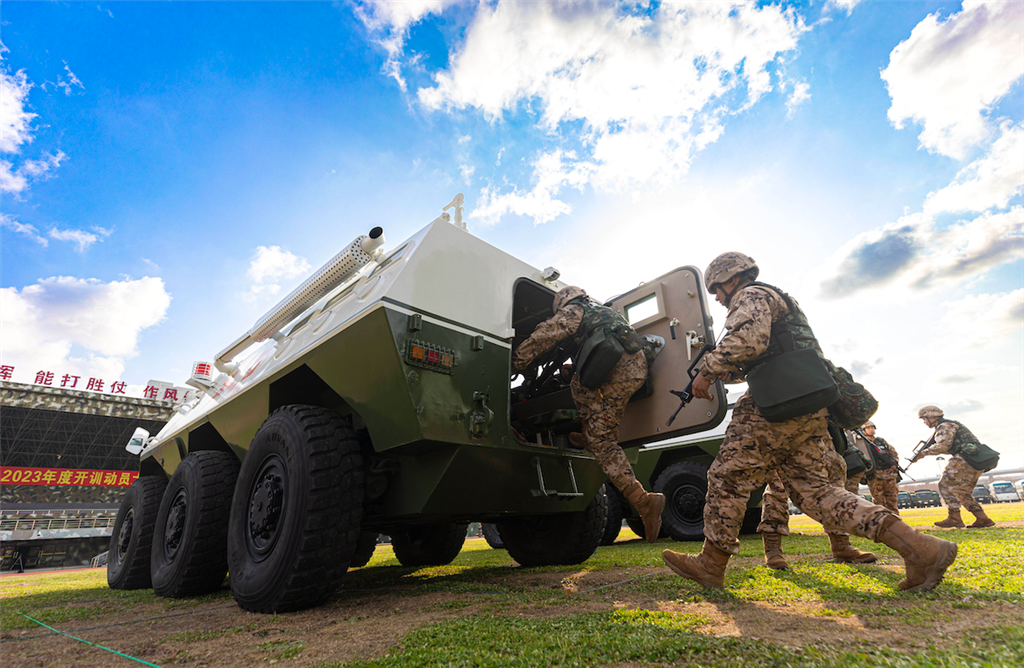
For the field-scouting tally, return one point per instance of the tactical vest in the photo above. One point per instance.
(880, 456)
(600, 341)
(790, 333)
(977, 455)
(791, 378)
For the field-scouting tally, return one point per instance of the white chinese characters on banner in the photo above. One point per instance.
(155, 389)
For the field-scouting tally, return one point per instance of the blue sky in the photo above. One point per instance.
(171, 170)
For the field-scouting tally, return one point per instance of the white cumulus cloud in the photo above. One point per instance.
(75, 325)
(949, 73)
(636, 91)
(29, 231)
(80, 238)
(991, 181)
(269, 266)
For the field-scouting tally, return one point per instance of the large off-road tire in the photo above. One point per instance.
(558, 539)
(492, 535)
(636, 525)
(429, 545)
(365, 545)
(613, 525)
(190, 544)
(296, 510)
(685, 485)
(132, 538)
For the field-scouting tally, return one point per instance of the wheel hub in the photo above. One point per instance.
(175, 527)
(265, 508)
(688, 504)
(124, 536)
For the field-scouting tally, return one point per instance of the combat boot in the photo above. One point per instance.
(844, 553)
(981, 520)
(706, 568)
(952, 521)
(650, 507)
(773, 557)
(578, 440)
(925, 557)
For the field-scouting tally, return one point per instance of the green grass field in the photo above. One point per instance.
(483, 610)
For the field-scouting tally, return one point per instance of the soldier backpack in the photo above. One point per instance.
(602, 339)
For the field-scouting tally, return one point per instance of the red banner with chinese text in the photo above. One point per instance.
(24, 475)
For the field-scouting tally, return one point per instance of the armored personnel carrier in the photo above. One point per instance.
(378, 398)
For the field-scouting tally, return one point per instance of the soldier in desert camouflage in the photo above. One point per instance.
(797, 447)
(883, 479)
(601, 408)
(970, 459)
(775, 513)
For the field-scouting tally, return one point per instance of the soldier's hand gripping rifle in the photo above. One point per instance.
(686, 395)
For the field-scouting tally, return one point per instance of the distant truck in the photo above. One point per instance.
(379, 401)
(925, 498)
(982, 494)
(1003, 492)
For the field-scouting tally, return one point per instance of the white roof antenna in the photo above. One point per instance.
(457, 204)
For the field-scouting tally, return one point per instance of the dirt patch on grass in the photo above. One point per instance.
(360, 624)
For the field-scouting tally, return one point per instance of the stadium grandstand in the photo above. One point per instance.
(64, 470)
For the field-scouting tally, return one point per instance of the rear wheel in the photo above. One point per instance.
(429, 545)
(296, 510)
(685, 485)
(558, 539)
(751, 520)
(492, 535)
(614, 522)
(132, 537)
(189, 555)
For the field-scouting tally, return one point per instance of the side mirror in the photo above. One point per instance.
(138, 441)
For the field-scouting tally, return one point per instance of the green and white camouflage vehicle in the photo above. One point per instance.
(379, 401)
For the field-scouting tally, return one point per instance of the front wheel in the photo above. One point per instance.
(430, 545)
(189, 555)
(685, 486)
(132, 538)
(296, 510)
(613, 525)
(558, 539)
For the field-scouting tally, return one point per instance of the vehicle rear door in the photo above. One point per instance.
(674, 307)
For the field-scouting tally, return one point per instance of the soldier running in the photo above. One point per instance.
(970, 459)
(601, 408)
(760, 318)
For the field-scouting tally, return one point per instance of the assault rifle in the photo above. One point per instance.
(871, 446)
(921, 445)
(686, 395)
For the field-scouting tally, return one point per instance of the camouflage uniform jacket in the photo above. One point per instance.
(752, 310)
(882, 446)
(944, 435)
(547, 335)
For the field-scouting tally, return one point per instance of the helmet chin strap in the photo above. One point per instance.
(729, 294)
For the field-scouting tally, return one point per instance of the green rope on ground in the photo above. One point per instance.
(113, 651)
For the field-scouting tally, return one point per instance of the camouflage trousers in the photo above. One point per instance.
(601, 412)
(884, 485)
(753, 449)
(957, 484)
(775, 511)
(853, 483)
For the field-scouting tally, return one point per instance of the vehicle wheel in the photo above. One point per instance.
(558, 539)
(614, 522)
(190, 546)
(132, 537)
(296, 510)
(751, 520)
(429, 545)
(492, 536)
(365, 545)
(684, 484)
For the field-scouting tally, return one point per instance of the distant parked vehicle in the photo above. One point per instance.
(866, 497)
(982, 495)
(926, 498)
(1004, 492)
(904, 500)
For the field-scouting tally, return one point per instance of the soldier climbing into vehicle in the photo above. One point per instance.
(609, 366)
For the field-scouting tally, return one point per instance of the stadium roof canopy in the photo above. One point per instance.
(44, 426)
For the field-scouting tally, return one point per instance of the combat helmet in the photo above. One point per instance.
(566, 295)
(867, 424)
(725, 266)
(930, 411)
